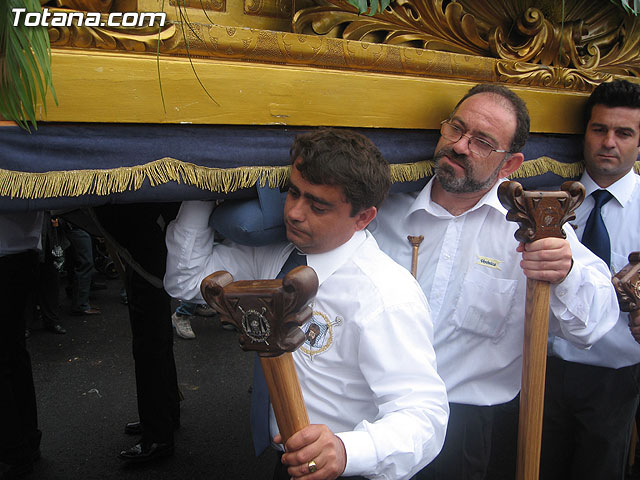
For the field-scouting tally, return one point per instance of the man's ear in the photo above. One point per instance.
(511, 165)
(364, 217)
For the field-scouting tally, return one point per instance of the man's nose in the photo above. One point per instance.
(609, 140)
(296, 211)
(462, 145)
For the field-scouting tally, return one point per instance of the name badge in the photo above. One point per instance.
(489, 262)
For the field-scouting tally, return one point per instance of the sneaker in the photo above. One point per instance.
(182, 324)
(205, 311)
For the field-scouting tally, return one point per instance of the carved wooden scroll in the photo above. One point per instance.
(540, 215)
(627, 284)
(268, 315)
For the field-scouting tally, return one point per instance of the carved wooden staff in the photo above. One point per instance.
(627, 284)
(540, 215)
(268, 315)
(415, 242)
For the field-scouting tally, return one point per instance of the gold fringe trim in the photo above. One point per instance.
(541, 165)
(409, 172)
(73, 183)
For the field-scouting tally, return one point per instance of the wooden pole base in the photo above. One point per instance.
(286, 395)
(534, 366)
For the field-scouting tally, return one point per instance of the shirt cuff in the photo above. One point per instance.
(195, 213)
(568, 298)
(361, 453)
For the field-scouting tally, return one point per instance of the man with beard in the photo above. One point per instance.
(474, 273)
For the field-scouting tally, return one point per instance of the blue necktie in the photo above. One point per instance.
(259, 391)
(595, 236)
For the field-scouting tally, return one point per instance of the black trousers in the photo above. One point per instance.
(140, 229)
(48, 290)
(19, 434)
(588, 416)
(504, 441)
(467, 445)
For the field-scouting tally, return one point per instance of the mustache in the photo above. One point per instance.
(608, 153)
(461, 159)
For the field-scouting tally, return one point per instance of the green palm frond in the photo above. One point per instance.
(630, 6)
(371, 7)
(25, 65)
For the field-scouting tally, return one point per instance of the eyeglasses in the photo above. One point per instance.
(453, 133)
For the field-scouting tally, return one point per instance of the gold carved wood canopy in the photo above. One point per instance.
(304, 62)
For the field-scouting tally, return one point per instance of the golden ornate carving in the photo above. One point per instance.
(269, 8)
(590, 40)
(480, 40)
(140, 39)
(208, 5)
(86, 5)
(545, 76)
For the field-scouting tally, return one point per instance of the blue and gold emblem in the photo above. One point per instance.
(319, 333)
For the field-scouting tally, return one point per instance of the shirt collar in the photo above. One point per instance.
(621, 190)
(423, 201)
(325, 264)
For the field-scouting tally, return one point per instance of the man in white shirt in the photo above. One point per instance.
(377, 406)
(592, 395)
(474, 272)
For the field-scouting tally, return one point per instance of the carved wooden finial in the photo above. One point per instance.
(627, 284)
(415, 242)
(540, 214)
(267, 313)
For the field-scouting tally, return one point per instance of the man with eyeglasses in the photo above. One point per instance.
(474, 273)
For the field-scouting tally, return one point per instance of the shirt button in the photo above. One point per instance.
(561, 292)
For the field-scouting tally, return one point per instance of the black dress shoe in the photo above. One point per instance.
(146, 452)
(133, 428)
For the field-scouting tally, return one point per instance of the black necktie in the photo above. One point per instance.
(595, 236)
(259, 392)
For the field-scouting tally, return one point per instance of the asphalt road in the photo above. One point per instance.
(86, 393)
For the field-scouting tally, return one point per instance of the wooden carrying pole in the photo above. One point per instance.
(540, 215)
(534, 365)
(268, 315)
(285, 394)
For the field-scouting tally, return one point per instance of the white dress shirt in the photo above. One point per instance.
(470, 271)
(370, 373)
(20, 232)
(621, 215)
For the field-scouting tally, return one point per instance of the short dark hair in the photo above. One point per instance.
(346, 159)
(523, 121)
(618, 93)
